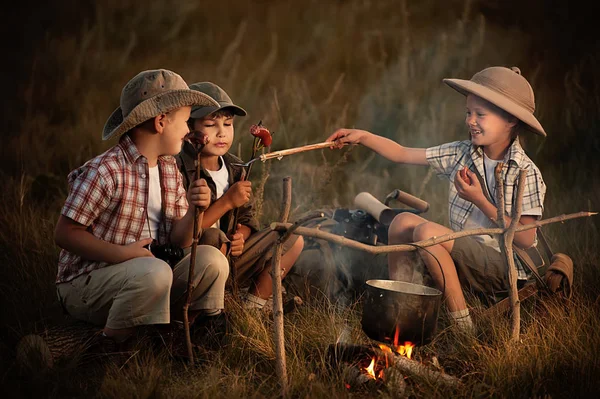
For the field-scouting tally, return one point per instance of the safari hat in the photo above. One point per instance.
(507, 89)
(219, 95)
(148, 94)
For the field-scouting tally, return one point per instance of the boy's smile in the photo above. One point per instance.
(488, 126)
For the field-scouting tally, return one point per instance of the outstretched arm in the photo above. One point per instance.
(381, 145)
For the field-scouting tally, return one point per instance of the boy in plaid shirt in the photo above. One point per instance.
(127, 199)
(499, 105)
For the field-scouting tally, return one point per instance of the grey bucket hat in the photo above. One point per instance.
(218, 94)
(148, 94)
(507, 89)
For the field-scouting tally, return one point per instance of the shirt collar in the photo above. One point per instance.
(129, 149)
(132, 154)
(514, 154)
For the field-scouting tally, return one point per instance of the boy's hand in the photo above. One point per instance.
(239, 193)
(137, 249)
(199, 194)
(347, 136)
(468, 186)
(237, 242)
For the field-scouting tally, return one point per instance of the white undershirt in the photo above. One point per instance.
(221, 179)
(154, 204)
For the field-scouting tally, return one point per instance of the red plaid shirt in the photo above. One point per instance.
(109, 195)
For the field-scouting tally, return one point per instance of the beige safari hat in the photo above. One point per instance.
(148, 94)
(507, 89)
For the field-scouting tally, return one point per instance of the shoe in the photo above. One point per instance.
(209, 331)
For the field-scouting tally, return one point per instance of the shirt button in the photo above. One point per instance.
(141, 209)
(143, 175)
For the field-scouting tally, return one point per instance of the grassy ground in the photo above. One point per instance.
(305, 69)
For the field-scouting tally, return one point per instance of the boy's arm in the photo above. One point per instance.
(473, 192)
(75, 238)
(381, 145)
(237, 195)
(182, 230)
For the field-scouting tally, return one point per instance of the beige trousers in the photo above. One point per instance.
(144, 291)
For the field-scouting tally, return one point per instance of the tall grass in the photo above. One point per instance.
(305, 69)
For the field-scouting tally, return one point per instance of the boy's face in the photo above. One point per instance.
(174, 130)
(219, 131)
(487, 124)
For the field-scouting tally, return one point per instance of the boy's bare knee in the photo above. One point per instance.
(299, 244)
(429, 229)
(402, 226)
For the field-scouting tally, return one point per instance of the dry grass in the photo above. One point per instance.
(305, 69)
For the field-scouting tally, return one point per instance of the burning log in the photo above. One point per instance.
(347, 353)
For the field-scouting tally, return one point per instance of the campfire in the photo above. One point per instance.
(369, 367)
(379, 362)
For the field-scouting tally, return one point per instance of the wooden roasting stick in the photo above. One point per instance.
(296, 150)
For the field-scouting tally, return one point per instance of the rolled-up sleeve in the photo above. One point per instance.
(443, 158)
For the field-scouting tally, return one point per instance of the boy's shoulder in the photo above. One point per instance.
(104, 163)
(518, 155)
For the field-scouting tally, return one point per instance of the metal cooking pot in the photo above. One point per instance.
(411, 307)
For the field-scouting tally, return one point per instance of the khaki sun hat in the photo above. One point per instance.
(217, 94)
(507, 89)
(148, 94)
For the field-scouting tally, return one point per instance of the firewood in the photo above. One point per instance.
(340, 352)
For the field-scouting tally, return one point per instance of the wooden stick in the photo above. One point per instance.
(346, 242)
(198, 215)
(296, 150)
(506, 243)
(278, 330)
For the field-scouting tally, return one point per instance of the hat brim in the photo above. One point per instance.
(466, 87)
(201, 112)
(116, 125)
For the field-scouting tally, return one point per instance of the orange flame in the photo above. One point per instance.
(404, 350)
(371, 369)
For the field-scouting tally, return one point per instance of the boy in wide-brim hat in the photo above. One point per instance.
(129, 200)
(499, 106)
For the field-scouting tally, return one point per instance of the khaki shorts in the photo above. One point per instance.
(258, 250)
(480, 267)
(145, 291)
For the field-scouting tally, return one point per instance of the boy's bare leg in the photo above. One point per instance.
(455, 299)
(263, 285)
(401, 264)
